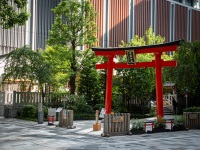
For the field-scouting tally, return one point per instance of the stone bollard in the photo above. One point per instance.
(70, 117)
(40, 114)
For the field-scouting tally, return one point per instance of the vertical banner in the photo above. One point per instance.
(130, 56)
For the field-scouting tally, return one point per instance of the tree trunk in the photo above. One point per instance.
(72, 84)
(72, 81)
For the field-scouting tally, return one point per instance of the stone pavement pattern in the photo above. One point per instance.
(27, 135)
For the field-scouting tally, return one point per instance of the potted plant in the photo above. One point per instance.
(179, 121)
(159, 125)
(137, 127)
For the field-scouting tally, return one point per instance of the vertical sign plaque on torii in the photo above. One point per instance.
(130, 56)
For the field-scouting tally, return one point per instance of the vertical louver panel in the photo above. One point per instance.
(44, 18)
(180, 22)
(163, 19)
(118, 22)
(195, 25)
(142, 16)
(36, 34)
(11, 38)
(98, 6)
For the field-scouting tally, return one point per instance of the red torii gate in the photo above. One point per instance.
(158, 63)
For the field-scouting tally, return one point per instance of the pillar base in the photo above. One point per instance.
(96, 127)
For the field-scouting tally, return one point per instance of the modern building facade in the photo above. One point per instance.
(117, 20)
(34, 33)
(123, 19)
(36, 30)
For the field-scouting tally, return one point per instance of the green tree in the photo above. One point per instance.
(13, 12)
(187, 73)
(131, 84)
(25, 64)
(58, 57)
(89, 81)
(74, 26)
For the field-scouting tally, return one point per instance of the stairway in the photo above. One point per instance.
(167, 111)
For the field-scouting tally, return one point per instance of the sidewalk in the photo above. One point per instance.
(18, 134)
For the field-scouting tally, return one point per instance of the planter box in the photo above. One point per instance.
(192, 120)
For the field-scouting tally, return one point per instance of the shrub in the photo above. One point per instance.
(98, 107)
(137, 125)
(84, 116)
(30, 112)
(192, 109)
(179, 120)
(160, 123)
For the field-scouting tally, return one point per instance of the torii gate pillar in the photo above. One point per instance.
(109, 84)
(159, 87)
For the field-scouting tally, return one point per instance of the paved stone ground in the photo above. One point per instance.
(18, 134)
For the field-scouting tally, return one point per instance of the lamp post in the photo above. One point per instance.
(64, 99)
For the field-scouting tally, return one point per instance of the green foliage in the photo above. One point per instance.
(98, 106)
(192, 109)
(58, 58)
(74, 26)
(187, 73)
(79, 104)
(84, 116)
(179, 120)
(25, 64)
(160, 123)
(31, 112)
(89, 81)
(132, 84)
(137, 124)
(13, 12)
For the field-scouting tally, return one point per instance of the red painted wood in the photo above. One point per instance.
(138, 50)
(137, 65)
(158, 63)
(159, 87)
(108, 101)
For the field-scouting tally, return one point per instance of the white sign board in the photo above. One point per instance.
(102, 113)
(59, 109)
(52, 112)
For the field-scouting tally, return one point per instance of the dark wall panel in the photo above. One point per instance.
(163, 19)
(142, 16)
(195, 25)
(118, 22)
(44, 16)
(180, 31)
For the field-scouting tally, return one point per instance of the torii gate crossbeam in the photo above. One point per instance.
(158, 63)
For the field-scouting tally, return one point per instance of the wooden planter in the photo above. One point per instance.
(116, 124)
(192, 120)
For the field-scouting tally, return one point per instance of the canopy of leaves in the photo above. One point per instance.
(74, 26)
(13, 12)
(25, 64)
(58, 58)
(89, 81)
(187, 73)
(132, 84)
